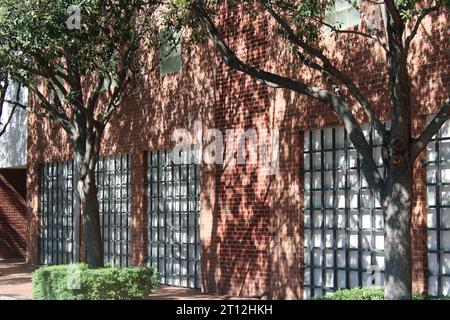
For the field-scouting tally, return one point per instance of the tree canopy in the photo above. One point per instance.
(79, 59)
(79, 50)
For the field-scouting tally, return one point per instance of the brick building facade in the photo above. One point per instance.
(251, 224)
(13, 155)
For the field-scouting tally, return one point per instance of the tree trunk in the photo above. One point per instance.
(397, 198)
(397, 206)
(86, 152)
(87, 190)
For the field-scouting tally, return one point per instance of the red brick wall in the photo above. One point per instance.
(13, 220)
(419, 219)
(251, 223)
(255, 247)
(144, 122)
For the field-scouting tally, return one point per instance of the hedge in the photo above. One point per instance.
(77, 282)
(366, 293)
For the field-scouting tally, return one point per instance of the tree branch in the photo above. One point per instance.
(338, 105)
(123, 79)
(58, 115)
(393, 12)
(8, 121)
(44, 63)
(416, 27)
(28, 109)
(93, 99)
(327, 69)
(432, 129)
(355, 32)
(115, 101)
(3, 91)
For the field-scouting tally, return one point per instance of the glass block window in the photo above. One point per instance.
(174, 219)
(170, 52)
(57, 204)
(343, 222)
(438, 200)
(56, 208)
(343, 14)
(114, 194)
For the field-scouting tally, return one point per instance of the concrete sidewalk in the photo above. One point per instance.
(175, 293)
(15, 283)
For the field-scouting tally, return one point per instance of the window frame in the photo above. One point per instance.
(166, 64)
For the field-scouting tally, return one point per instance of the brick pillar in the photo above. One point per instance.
(286, 198)
(33, 201)
(208, 228)
(138, 209)
(419, 218)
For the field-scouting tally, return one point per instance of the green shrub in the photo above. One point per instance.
(366, 293)
(77, 282)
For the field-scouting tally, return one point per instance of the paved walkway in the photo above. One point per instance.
(15, 283)
(15, 280)
(174, 293)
